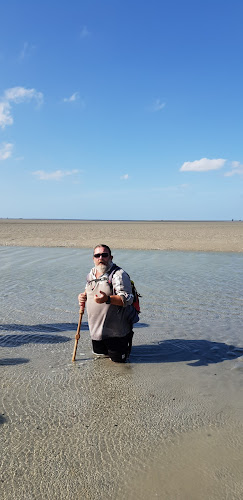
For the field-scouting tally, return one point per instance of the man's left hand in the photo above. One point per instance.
(102, 299)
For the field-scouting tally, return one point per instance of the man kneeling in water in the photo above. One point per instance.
(109, 297)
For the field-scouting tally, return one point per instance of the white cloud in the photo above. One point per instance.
(16, 95)
(57, 175)
(124, 177)
(157, 105)
(84, 32)
(203, 165)
(21, 94)
(5, 116)
(6, 150)
(72, 98)
(237, 169)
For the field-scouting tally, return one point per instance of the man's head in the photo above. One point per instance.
(102, 257)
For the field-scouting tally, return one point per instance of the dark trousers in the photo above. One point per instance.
(117, 348)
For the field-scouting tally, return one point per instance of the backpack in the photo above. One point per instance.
(136, 296)
(134, 309)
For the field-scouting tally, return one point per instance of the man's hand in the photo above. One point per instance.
(102, 299)
(116, 300)
(82, 297)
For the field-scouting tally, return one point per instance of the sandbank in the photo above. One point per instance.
(223, 236)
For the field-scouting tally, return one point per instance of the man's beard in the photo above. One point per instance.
(102, 268)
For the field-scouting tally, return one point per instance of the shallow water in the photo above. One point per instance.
(160, 426)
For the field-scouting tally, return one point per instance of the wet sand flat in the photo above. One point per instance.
(143, 235)
(167, 425)
(97, 431)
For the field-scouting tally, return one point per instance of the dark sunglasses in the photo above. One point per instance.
(104, 254)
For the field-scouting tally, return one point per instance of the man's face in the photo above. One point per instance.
(102, 258)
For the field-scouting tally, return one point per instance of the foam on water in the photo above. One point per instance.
(98, 430)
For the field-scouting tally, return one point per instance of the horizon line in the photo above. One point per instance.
(118, 220)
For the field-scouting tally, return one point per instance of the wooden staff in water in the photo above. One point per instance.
(77, 336)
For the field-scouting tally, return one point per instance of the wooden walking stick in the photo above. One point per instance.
(77, 336)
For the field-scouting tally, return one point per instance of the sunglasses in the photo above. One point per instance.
(104, 254)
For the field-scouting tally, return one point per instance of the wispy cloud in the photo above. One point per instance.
(16, 95)
(72, 98)
(158, 105)
(124, 177)
(57, 175)
(5, 115)
(26, 51)
(5, 150)
(236, 169)
(84, 32)
(179, 188)
(203, 165)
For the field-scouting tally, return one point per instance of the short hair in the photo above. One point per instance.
(103, 245)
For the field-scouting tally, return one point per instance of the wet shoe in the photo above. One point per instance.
(100, 355)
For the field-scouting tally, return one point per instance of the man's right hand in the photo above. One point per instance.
(82, 297)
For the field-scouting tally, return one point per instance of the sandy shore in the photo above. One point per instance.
(144, 235)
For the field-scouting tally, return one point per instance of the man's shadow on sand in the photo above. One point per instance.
(196, 352)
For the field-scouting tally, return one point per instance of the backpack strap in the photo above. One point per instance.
(95, 280)
(114, 268)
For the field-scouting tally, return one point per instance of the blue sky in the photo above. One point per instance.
(121, 109)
